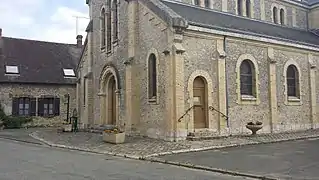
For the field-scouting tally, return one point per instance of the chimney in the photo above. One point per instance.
(79, 41)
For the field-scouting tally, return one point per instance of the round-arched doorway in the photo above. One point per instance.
(200, 103)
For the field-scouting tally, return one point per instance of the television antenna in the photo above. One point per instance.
(77, 23)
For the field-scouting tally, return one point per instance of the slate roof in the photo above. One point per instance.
(38, 61)
(312, 2)
(226, 22)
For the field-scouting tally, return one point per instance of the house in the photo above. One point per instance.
(38, 79)
(171, 69)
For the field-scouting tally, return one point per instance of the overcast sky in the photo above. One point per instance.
(47, 20)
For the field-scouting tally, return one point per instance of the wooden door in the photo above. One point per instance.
(200, 101)
(111, 101)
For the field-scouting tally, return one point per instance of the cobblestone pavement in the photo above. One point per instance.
(141, 147)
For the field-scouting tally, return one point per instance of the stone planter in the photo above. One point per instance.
(254, 128)
(67, 127)
(115, 138)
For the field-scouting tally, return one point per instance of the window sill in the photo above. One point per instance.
(152, 100)
(248, 98)
(293, 99)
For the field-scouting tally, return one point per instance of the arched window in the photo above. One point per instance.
(115, 20)
(109, 27)
(239, 7)
(274, 14)
(247, 78)
(248, 12)
(207, 3)
(152, 86)
(292, 81)
(102, 24)
(196, 2)
(282, 16)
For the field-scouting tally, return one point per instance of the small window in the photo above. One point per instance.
(282, 16)
(152, 86)
(103, 40)
(68, 72)
(247, 78)
(109, 28)
(248, 4)
(292, 81)
(49, 107)
(12, 70)
(239, 7)
(207, 3)
(275, 11)
(115, 20)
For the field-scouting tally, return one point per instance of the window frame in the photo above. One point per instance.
(44, 104)
(242, 98)
(292, 100)
(152, 99)
(103, 27)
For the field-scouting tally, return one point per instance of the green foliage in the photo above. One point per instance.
(12, 122)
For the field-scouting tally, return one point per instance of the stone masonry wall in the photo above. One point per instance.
(200, 56)
(101, 58)
(7, 91)
(152, 36)
(240, 114)
(293, 117)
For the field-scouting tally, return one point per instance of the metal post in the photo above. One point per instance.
(68, 108)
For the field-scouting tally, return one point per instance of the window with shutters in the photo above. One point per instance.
(48, 107)
(23, 106)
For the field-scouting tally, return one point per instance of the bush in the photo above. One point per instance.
(12, 122)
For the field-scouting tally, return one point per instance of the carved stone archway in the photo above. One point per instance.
(109, 96)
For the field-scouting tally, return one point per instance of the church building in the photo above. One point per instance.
(173, 69)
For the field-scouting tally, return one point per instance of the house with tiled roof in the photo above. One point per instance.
(38, 78)
(184, 69)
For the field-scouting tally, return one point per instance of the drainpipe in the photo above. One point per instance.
(226, 79)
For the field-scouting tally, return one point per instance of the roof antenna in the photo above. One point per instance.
(77, 23)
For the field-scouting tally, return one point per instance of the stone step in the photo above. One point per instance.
(203, 135)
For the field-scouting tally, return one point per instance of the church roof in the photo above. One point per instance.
(226, 22)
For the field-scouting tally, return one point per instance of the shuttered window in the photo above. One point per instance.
(23, 106)
(49, 107)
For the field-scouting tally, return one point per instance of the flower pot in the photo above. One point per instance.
(67, 127)
(254, 128)
(115, 138)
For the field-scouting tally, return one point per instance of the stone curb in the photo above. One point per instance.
(230, 145)
(206, 168)
(19, 140)
(35, 136)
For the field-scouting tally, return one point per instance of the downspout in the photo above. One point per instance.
(226, 81)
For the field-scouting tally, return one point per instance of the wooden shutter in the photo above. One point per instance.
(40, 106)
(56, 104)
(15, 106)
(33, 109)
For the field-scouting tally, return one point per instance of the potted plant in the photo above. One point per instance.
(113, 135)
(254, 127)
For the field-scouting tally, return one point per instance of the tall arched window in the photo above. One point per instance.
(292, 81)
(152, 86)
(247, 78)
(102, 24)
(274, 14)
(207, 3)
(248, 12)
(196, 2)
(239, 7)
(109, 27)
(115, 20)
(282, 16)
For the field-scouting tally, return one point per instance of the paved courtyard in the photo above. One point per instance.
(34, 162)
(287, 160)
(141, 147)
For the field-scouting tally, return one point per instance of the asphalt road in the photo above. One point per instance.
(286, 160)
(20, 161)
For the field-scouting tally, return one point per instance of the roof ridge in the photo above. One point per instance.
(34, 40)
